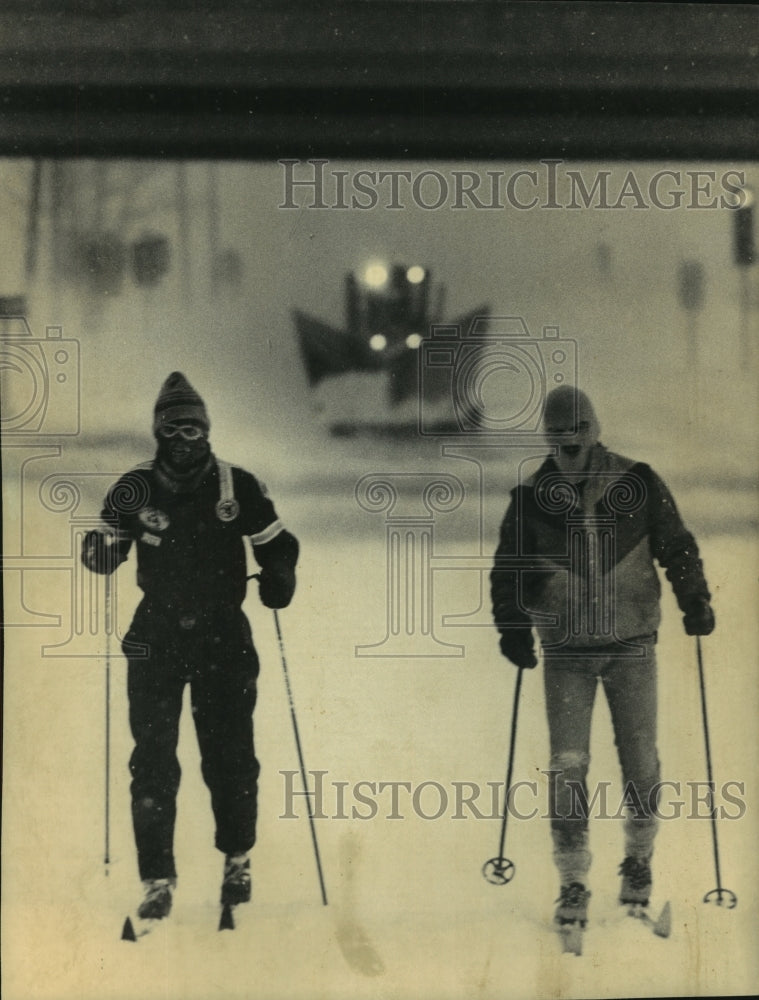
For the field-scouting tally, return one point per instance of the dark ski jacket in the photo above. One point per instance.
(576, 554)
(191, 559)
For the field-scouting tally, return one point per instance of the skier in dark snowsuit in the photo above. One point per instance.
(187, 512)
(575, 561)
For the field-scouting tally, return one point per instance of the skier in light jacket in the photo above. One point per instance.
(186, 513)
(576, 563)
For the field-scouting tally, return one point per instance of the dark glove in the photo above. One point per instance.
(276, 579)
(101, 553)
(699, 618)
(275, 589)
(518, 646)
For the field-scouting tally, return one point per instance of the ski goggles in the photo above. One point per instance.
(189, 432)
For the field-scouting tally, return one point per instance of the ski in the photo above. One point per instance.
(134, 930)
(661, 926)
(571, 934)
(227, 918)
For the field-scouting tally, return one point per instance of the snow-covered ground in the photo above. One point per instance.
(409, 912)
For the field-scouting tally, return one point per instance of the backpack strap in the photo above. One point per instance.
(227, 508)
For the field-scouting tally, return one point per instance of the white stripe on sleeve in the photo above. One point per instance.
(112, 535)
(262, 537)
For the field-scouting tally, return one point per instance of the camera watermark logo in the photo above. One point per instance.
(483, 385)
(39, 378)
(39, 406)
(491, 378)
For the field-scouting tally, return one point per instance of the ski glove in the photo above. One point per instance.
(277, 559)
(517, 645)
(101, 553)
(275, 589)
(699, 618)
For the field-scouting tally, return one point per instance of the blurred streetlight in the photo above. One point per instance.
(375, 275)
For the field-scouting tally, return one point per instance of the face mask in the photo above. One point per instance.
(182, 446)
(573, 446)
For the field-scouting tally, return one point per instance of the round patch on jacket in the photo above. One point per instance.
(154, 519)
(227, 510)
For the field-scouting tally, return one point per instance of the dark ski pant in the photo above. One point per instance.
(571, 680)
(218, 660)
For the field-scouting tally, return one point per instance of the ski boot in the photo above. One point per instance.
(571, 915)
(573, 905)
(235, 887)
(158, 898)
(636, 882)
(635, 894)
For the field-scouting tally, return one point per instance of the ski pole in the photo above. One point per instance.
(500, 870)
(108, 615)
(300, 758)
(720, 891)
